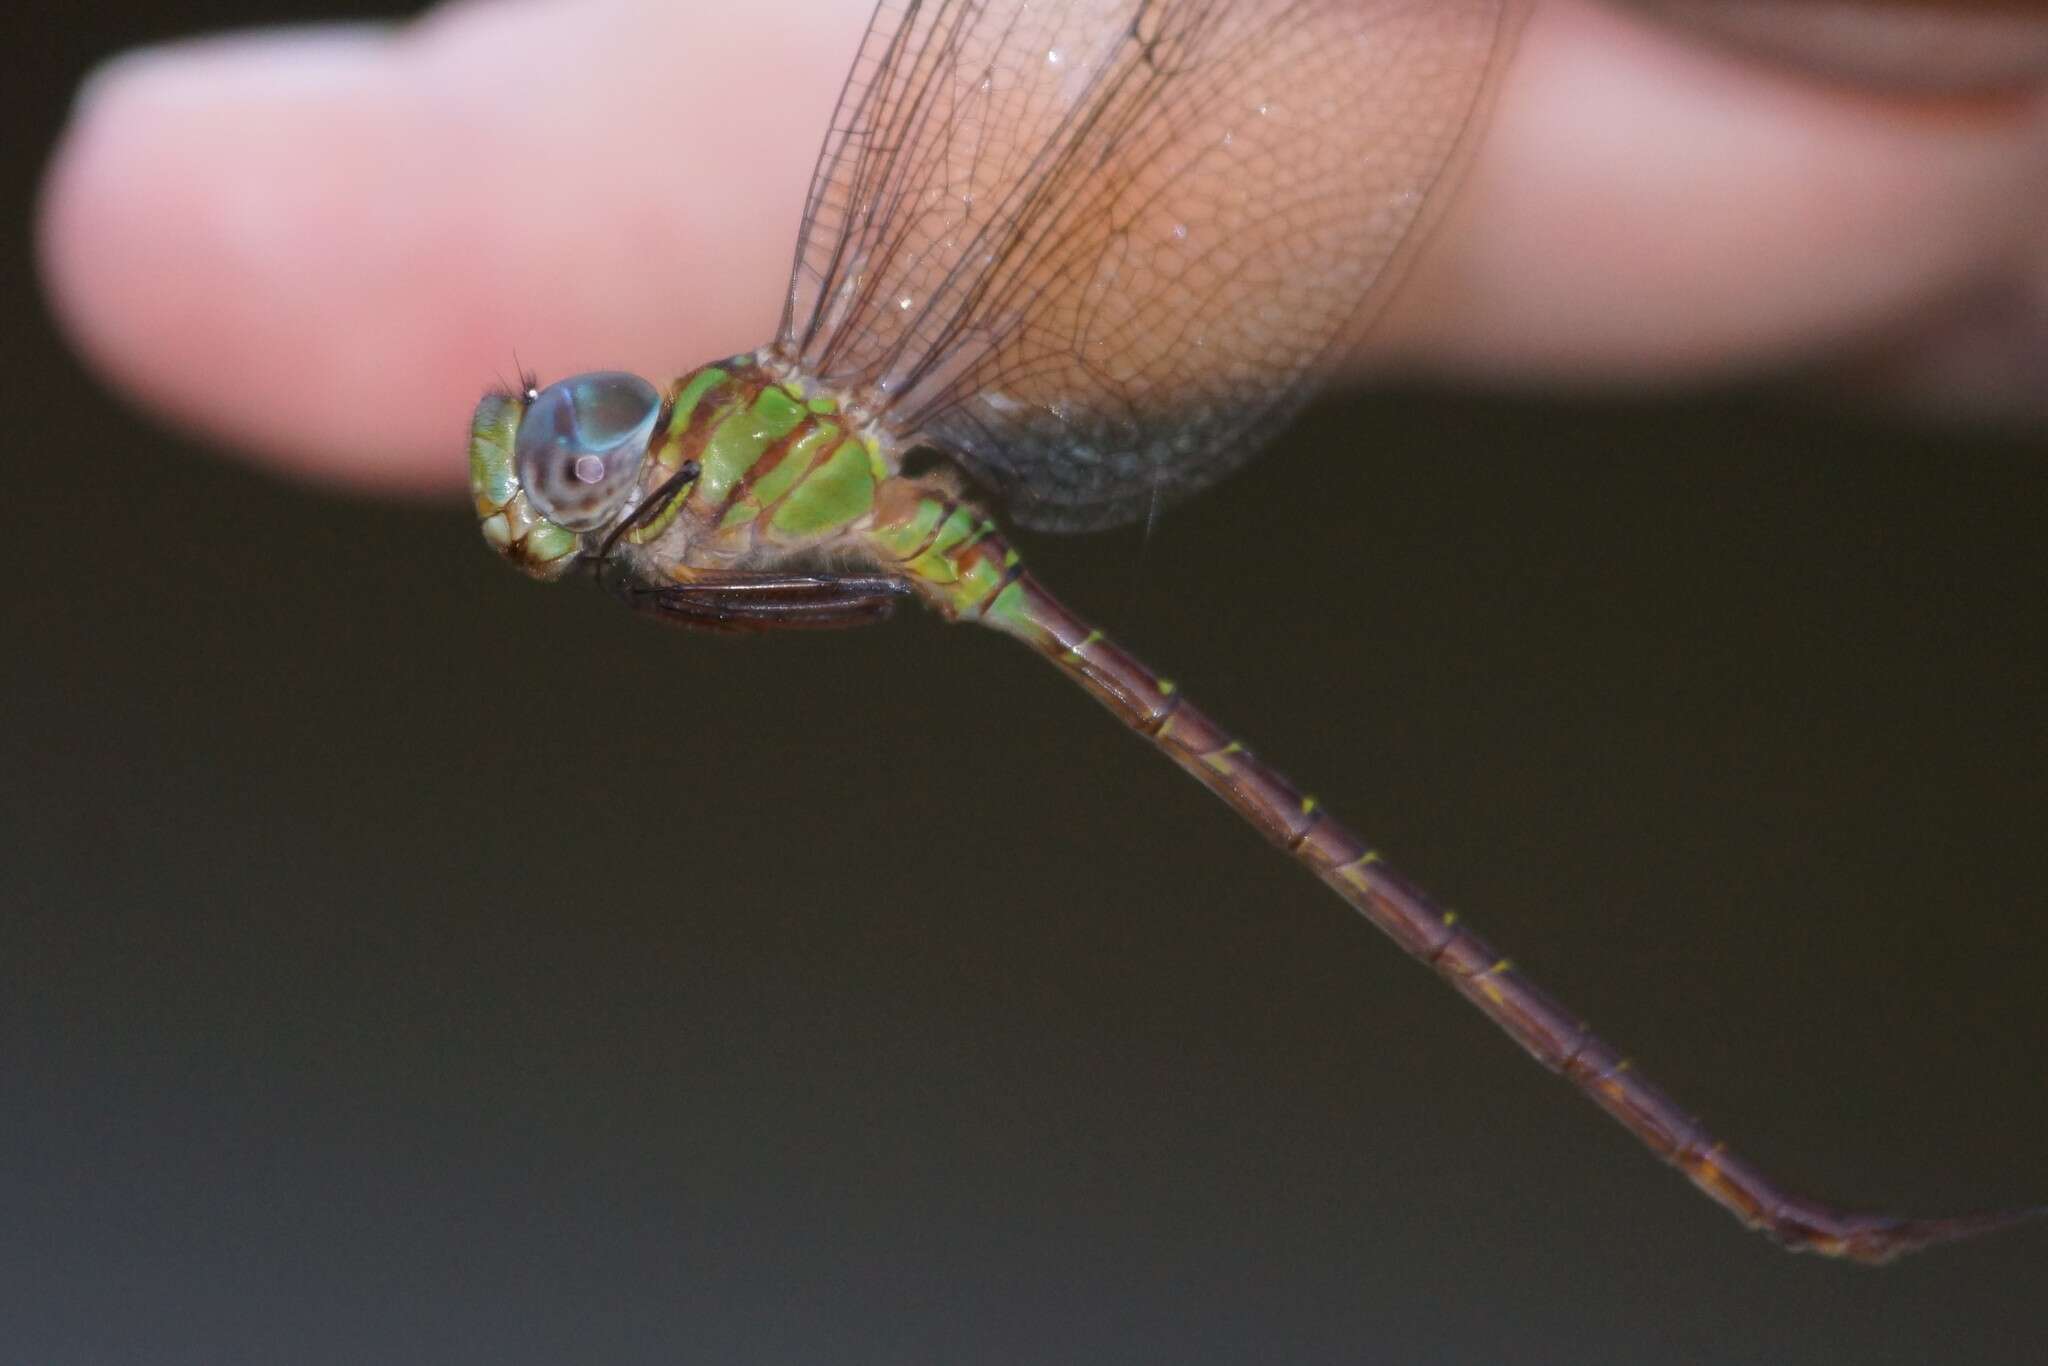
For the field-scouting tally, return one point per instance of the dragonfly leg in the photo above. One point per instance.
(766, 602)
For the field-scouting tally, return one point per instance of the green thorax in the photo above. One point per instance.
(779, 472)
(783, 476)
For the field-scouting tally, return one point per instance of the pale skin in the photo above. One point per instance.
(319, 249)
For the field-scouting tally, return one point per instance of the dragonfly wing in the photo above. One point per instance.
(1097, 250)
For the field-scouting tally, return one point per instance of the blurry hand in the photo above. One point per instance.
(322, 246)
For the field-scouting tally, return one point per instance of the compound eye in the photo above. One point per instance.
(580, 445)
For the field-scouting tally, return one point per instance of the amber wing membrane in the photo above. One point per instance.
(1097, 250)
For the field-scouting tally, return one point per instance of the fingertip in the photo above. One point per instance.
(198, 240)
(320, 246)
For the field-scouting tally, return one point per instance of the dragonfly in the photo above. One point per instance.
(1071, 261)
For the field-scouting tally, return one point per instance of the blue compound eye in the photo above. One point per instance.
(580, 445)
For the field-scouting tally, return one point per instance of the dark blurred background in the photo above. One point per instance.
(401, 963)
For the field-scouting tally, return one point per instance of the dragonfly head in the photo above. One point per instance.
(550, 467)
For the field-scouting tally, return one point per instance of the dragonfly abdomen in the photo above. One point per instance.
(1155, 708)
(944, 546)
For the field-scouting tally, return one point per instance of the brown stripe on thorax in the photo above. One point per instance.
(770, 461)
